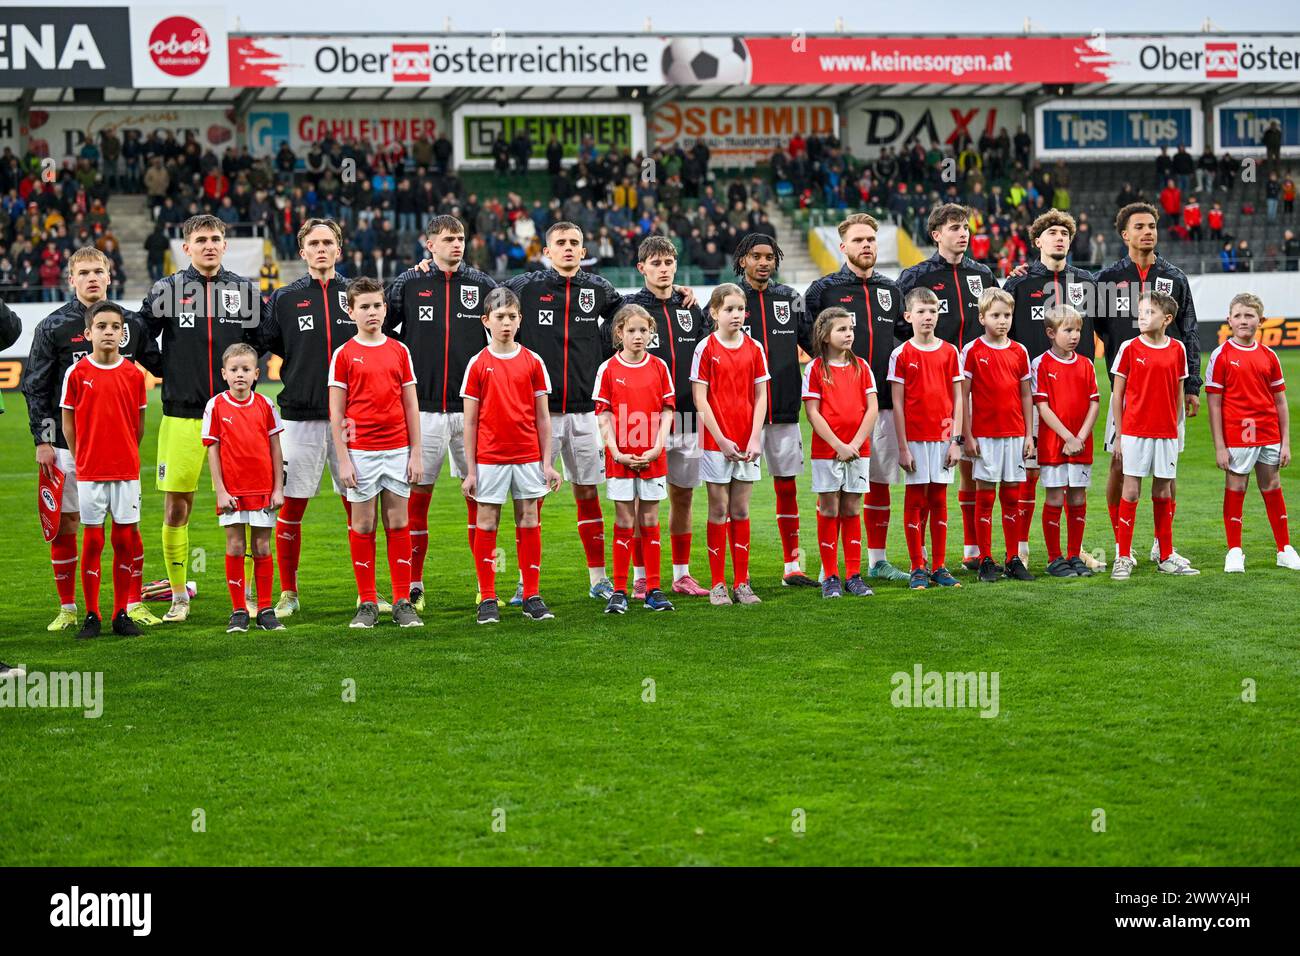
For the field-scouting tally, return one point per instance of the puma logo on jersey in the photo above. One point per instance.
(359, 360)
(1139, 360)
(913, 365)
(1051, 375)
(620, 381)
(1237, 364)
(984, 360)
(228, 421)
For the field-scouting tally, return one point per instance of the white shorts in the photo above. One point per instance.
(1242, 461)
(1000, 459)
(1067, 475)
(629, 489)
(121, 499)
(683, 450)
(716, 469)
(1149, 457)
(520, 482)
(377, 470)
(831, 474)
(1108, 442)
(575, 437)
(931, 459)
(783, 449)
(307, 448)
(884, 450)
(254, 519)
(441, 432)
(66, 463)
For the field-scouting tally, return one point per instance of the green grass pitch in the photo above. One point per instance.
(771, 738)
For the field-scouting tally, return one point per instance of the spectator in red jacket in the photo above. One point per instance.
(1192, 219)
(1215, 219)
(1171, 201)
(215, 185)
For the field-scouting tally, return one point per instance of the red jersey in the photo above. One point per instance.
(1153, 394)
(926, 376)
(506, 387)
(105, 402)
(730, 372)
(1067, 388)
(637, 396)
(374, 374)
(995, 374)
(242, 432)
(1247, 378)
(843, 396)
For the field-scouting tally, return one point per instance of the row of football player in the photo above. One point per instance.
(769, 309)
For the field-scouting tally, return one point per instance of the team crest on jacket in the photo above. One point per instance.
(306, 323)
(685, 319)
(885, 298)
(1165, 286)
(343, 299)
(126, 335)
(976, 285)
(469, 296)
(781, 312)
(230, 301)
(1075, 292)
(586, 300)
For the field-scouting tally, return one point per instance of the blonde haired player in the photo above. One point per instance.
(1251, 426)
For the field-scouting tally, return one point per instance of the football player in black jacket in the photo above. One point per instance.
(876, 304)
(58, 343)
(776, 320)
(958, 281)
(304, 323)
(438, 313)
(199, 312)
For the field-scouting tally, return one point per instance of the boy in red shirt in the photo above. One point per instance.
(635, 395)
(925, 374)
(103, 404)
(242, 432)
(728, 372)
(999, 430)
(507, 452)
(1149, 371)
(1065, 392)
(375, 424)
(1251, 425)
(839, 395)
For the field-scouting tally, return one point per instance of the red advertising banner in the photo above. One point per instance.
(882, 60)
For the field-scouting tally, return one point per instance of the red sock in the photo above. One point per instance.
(681, 548)
(1051, 531)
(417, 521)
(347, 509)
(739, 550)
(938, 500)
(787, 518)
(851, 535)
(914, 501)
(398, 545)
(137, 565)
(1233, 503)
(123, 560)
(652, 554)
(235, 581)
(638, 553)
(529, 541)
(1275, 505)
(1028, 496)
(717, 541)
(471, 521)
(92, 546)
(1114, 520)
(1125, 517)
(485, 546)
(288, 540)
(63, 559)
(623, 543)
(591, 530)
(828, 533)
(969, 529)
(1009, 499)
(984, 498)
(1076, 516)
(876, 515)
(264, 579)
(363, 564)
(1164, 517)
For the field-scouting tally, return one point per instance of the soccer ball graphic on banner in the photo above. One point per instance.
(716, 60)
